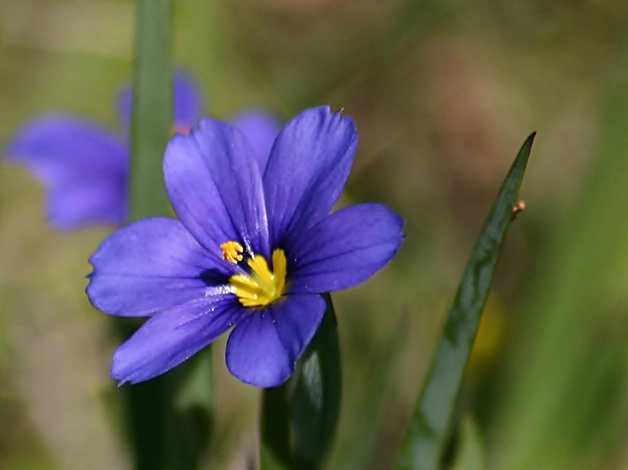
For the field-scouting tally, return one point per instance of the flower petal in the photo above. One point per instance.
(171, 337)
(71, 207)
(215, 187)
(264, 346)
(83, 166)
(307, 170)
(188, 103)
(150, 266)
(345, 249)
(261, 128)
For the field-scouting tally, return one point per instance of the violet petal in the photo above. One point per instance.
(307, 170)
(264, 346)
(171, 337)
(345, 249)
(150, 266)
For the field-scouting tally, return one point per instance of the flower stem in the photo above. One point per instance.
(151, 119)
(167, 424)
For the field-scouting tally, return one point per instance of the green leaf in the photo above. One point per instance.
(564, 403)
(299, 418)
(276, 453)
(315, 396)
(429, 427)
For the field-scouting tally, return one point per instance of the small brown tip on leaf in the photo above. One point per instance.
(519, 207)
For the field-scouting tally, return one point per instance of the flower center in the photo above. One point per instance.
(260, 286)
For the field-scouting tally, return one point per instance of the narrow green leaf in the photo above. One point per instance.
(565, 404)
(276, 453)
(429, 427)
(166, 419)
(299, 418)
(315, 396)
(151, 119)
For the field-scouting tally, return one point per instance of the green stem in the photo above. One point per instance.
(168, 425)
(151, 119)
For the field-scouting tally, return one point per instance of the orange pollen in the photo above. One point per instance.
(232, 252)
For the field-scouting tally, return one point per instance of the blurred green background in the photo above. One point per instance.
(443, 94)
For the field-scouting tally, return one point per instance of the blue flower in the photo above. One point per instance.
(85, 166)
(254, 249)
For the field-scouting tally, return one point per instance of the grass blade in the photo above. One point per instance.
(565, 404)
(429, 427)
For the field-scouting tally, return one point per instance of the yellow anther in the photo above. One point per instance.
(232, 252)
(262, 286)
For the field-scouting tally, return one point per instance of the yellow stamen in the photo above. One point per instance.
(232, 252)
(262, 286)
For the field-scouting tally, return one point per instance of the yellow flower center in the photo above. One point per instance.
(261, 286)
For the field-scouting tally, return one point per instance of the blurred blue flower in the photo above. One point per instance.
(254, 249)
(85, 166)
